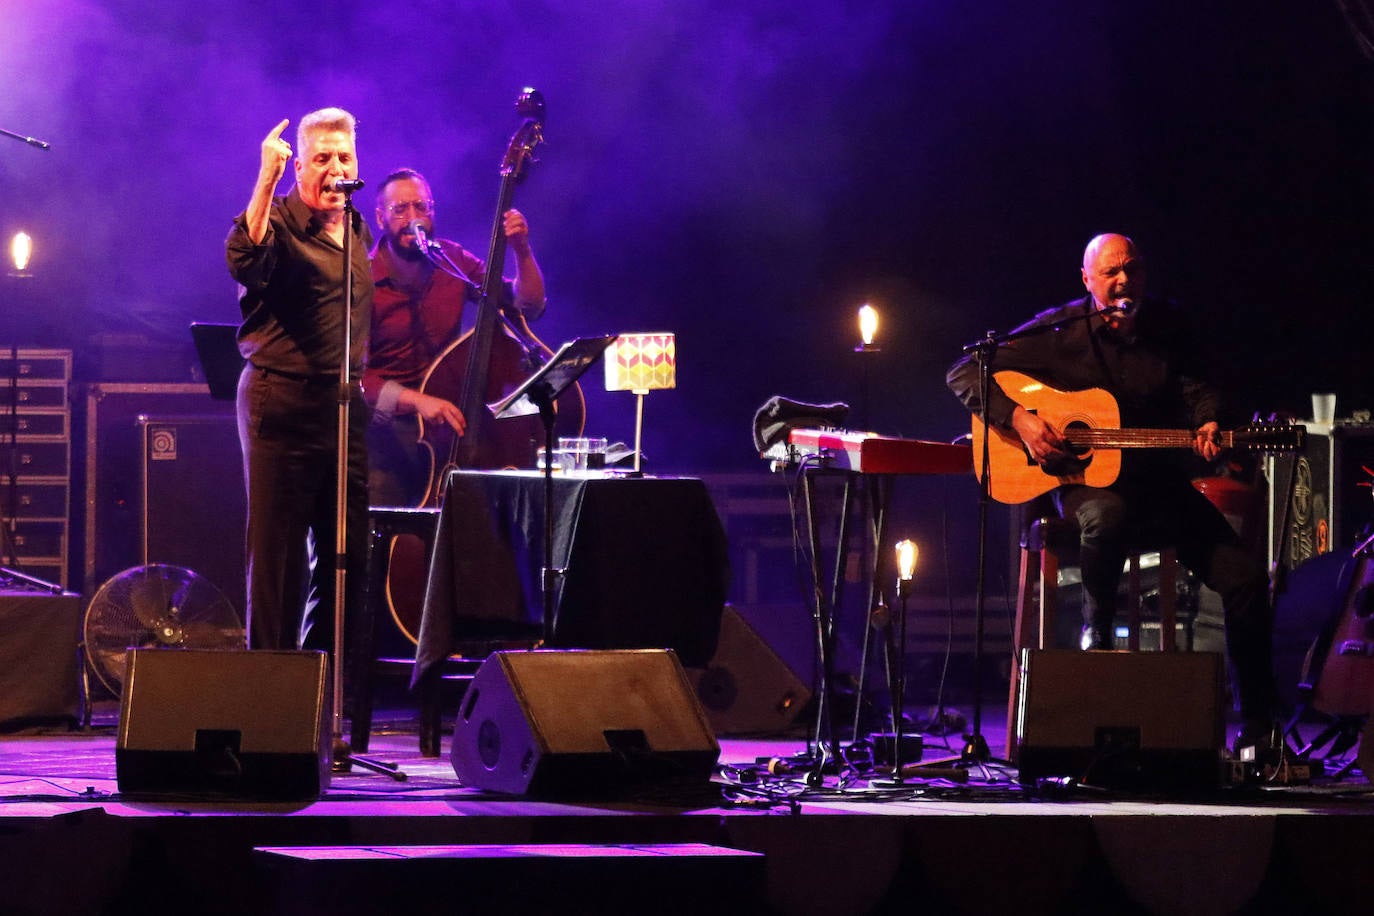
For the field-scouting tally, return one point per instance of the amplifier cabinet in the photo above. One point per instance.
(194, 503)
(1329, 506)
(175, 498)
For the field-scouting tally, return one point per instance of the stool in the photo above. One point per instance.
(1046, 544)
(384, 524)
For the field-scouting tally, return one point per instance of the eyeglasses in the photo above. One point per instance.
(421, 207)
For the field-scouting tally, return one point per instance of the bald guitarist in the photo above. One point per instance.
(1143, 353)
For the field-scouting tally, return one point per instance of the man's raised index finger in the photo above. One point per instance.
(276, 131)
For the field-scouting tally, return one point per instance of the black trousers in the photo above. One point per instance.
(288, 432)
(1169, 510)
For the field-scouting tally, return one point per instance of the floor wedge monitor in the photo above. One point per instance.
(1128, 720)
(581, 722)
(235, 723)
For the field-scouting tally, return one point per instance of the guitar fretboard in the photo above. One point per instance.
(1139, 438)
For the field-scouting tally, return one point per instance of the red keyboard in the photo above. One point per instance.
(870, 453)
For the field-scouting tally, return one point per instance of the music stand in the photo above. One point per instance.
(217, 347)
(540, 393)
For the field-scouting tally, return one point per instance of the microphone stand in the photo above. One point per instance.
(975, 750)
(31, 141)
(343, 756)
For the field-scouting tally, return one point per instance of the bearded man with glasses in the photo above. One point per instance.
(422, 284)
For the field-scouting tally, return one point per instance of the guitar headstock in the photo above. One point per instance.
(519, 153)
(1270, 436)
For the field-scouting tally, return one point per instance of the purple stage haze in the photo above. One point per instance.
(744, 175)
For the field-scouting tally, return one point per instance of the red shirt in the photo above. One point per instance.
(408, 333)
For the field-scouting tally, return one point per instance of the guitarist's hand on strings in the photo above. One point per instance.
(1043, 442)
(1205, 440)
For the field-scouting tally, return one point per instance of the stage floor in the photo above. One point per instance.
(71, 843)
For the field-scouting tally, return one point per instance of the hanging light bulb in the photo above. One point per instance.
(21, 251)
(868, 324)
(907, 553)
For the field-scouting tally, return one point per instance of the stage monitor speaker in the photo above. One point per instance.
(39, 669)
(746, 688)
(1121, 720)
(581, 722)
(235, 723)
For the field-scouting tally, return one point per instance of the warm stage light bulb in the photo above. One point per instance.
(868, 324)
(21, 248)
(906, 560)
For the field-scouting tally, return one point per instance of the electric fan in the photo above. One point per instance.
(156, 606)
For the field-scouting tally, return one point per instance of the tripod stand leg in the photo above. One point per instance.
(822, 613)
(344, 758)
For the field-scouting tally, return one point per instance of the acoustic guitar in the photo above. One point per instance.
(1345, 686)
(1091, 423)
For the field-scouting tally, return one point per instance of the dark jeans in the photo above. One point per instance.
(1171, 511)
(288, 431)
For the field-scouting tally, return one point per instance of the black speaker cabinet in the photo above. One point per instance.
(163, 483)
(746, 688)
(581, 722)
(194, 504)
(1130, 720)
(234, 723)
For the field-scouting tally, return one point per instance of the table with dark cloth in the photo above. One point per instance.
(645, 559)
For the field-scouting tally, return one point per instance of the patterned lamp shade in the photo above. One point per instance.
(641, 362)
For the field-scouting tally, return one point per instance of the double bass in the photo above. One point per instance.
(480, 368)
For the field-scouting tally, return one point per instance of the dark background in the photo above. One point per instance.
(744, 175)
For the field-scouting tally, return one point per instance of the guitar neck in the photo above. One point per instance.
(1139, 438)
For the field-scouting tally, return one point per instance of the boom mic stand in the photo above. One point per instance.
(31, 141)
(343, 755)
(975, 750)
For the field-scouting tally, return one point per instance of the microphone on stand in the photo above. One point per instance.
(1126, 307)
(347, 185)
(422, 239)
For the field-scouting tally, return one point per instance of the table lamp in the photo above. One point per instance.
(641, 363)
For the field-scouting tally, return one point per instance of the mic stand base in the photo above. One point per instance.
(975, 749)
(343, 759)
